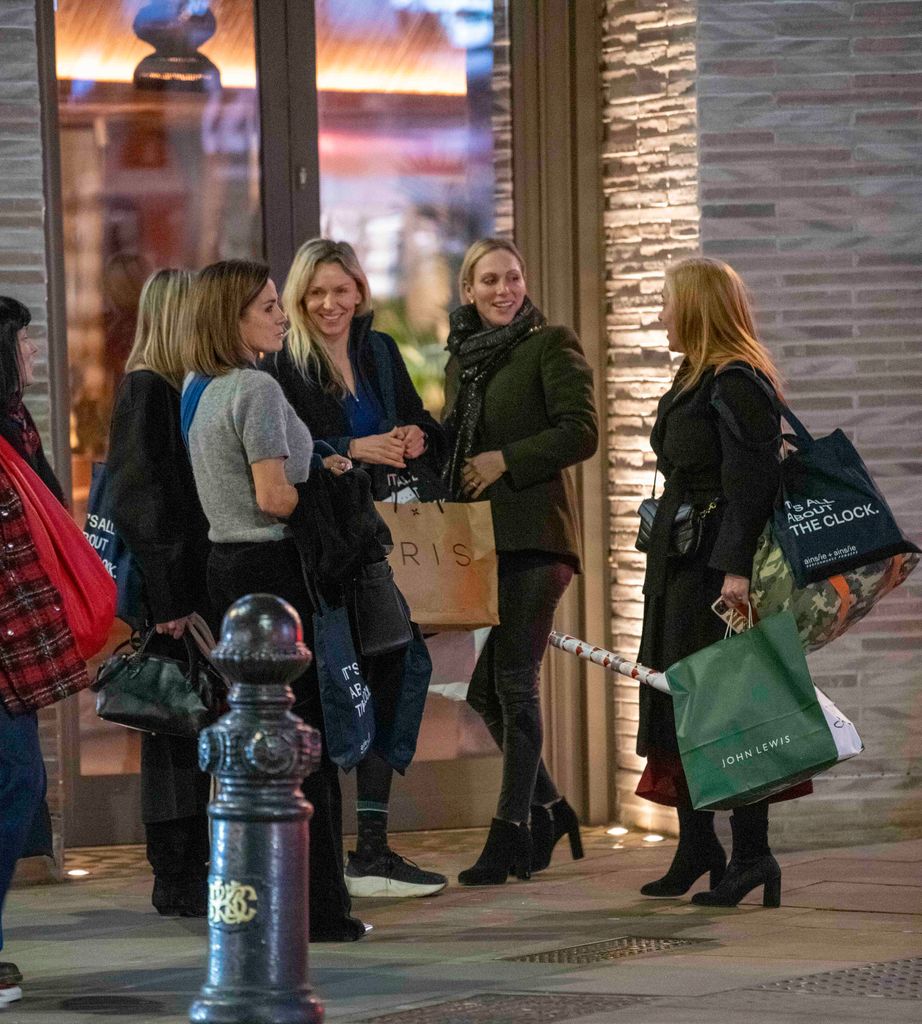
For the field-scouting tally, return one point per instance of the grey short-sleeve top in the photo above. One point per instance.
(243, 417)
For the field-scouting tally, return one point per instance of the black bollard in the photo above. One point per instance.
(257, 887)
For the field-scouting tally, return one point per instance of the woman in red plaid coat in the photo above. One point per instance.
(37, 649)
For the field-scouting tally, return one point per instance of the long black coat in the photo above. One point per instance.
(156, 509)
(701, 458)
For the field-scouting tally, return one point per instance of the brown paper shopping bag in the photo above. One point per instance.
(444, 559)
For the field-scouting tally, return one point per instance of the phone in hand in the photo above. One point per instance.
(735, 617)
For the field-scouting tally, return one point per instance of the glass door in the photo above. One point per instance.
(197, 130)
(159, 142)
(409, 95)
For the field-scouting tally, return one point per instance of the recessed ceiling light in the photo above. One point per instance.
(78, 872)
(653, 838)
(617, 830)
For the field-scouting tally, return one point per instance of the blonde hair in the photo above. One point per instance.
(476, 252)
(158, 334)
(713, 320)
(218, 298)
(306, 348)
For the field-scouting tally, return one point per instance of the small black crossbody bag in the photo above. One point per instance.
(687, 526)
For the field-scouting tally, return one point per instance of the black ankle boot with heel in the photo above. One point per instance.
(751, 863)
(699, 852)
(548, 825)
(506, 851)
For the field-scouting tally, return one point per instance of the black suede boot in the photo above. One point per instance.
(548, 825)
(751, 862)
(699, 851)
(507, 849)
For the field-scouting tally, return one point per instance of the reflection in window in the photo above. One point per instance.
(159, 167)
(159, 141)
(407, 154)
(411, 99)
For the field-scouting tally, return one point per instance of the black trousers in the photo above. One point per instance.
(504, 687)
(274, 567)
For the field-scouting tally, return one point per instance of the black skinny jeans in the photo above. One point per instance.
(274, 567)
(504, 687)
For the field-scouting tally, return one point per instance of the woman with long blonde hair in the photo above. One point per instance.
(157, 512)
(349, 385)
(716, 439)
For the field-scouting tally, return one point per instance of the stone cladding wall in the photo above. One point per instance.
(23, 272)
(650, 175)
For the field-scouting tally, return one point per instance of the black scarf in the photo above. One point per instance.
(480, 352)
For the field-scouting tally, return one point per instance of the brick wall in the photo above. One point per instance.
(22, 254)
(649, 167)
(811, 185)
(794, 128)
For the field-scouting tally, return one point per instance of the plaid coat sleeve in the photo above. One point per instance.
(39, 662)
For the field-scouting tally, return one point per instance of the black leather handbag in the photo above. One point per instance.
(142, 690)
(378, 612)
(687, 527)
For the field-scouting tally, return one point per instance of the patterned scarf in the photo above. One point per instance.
(18, 416)
(480, 352)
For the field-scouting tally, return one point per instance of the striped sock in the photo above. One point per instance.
(372, 826)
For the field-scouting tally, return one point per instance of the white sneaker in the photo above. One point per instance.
(10, 994)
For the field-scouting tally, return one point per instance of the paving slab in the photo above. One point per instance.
(94, 950)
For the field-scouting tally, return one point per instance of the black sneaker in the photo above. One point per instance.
(390, 875)
(10, 974)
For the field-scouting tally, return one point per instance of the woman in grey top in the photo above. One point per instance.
(248, 449)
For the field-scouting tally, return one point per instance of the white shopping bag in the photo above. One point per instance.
(845, 735)
(454, 655)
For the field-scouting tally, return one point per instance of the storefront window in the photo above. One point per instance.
(406, 147)
(159, 140)
(409, 91)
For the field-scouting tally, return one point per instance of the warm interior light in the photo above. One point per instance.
(342, 79)
(78, 872)
(617, 830)
(653, 837)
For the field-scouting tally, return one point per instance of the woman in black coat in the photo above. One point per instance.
(716, 439)
(156, 510)
(349, 385)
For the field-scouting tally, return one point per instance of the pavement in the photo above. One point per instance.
(845, 946)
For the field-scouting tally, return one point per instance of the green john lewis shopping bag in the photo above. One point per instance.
(747, 716)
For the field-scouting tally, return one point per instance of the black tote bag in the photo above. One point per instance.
(830, 517)
(99, 529)
(348, 712)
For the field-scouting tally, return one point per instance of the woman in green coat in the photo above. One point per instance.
(520, 411)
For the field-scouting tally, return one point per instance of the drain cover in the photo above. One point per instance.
(893, 979)
(500, 1008)
(609, 949)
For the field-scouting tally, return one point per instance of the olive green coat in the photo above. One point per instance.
(539, 411)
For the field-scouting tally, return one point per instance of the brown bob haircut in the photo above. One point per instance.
(218, 298)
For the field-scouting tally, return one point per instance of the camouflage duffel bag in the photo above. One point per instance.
(827, 608)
